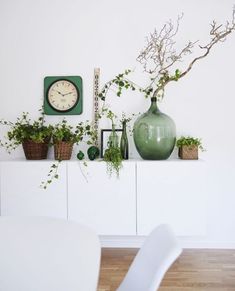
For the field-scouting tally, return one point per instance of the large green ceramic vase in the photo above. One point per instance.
(154, 134)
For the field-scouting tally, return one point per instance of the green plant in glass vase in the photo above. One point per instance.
(161, 59)
(164, 63)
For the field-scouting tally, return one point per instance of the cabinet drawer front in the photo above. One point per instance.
(21, 193)
(107, 204)
(174, 193)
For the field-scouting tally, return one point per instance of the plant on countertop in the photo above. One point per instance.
(160, 59)
(127, 119)
(124, 144)
(65, 133)
(188, 147)
(113, 158)
(112, 155)
(25, 130)
(189, 141)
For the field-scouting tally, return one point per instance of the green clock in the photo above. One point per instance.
(63, 95)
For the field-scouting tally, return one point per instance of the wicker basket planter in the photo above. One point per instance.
(35, 150)
(63, 150)
(188, 152)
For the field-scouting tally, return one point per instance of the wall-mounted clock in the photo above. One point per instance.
(63, 95)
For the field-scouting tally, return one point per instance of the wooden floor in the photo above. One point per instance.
(195, 270)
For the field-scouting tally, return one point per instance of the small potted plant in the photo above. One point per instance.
(33, 135)
(64, 136)
(112, 155)
(188, 147)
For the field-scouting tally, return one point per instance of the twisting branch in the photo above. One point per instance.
(160, 54)
(160, 57)
(218, 33)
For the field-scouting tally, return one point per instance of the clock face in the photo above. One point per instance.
(63, 95)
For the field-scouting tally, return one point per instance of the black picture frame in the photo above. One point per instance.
(105, 132)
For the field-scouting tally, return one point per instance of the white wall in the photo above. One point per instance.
(40, 38)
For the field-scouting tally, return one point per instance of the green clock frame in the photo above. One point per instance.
(77, 82)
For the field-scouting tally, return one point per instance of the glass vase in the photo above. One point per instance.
(124, 147)
(113, 141)
(154, 134)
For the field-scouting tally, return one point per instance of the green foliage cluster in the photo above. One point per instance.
(112, 155)
(120, 82)
(64, 132)
(189, 141)
(25, 129)
(157, 86)
(113, 158)
(53, 174)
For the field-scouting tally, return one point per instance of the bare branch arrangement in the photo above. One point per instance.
(160, 58)
(160, 51)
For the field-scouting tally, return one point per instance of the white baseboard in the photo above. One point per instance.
(207, 244)
(121, 241)
(186, 243)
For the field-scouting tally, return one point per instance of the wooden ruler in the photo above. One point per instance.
(96, 84)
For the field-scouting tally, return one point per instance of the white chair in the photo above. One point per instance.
(152, 261)
(46, 254)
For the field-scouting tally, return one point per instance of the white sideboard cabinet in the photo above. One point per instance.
(21, 193)
(146, 194)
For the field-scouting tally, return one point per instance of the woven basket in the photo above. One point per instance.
(35, 150)
(63, 150)
(188, 152)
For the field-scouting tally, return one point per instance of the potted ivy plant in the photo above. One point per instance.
(64, 136)
(188, 147)
(112, 155)
(34, 136)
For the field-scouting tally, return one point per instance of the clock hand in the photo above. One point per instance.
(59, 92)
(67, 93)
